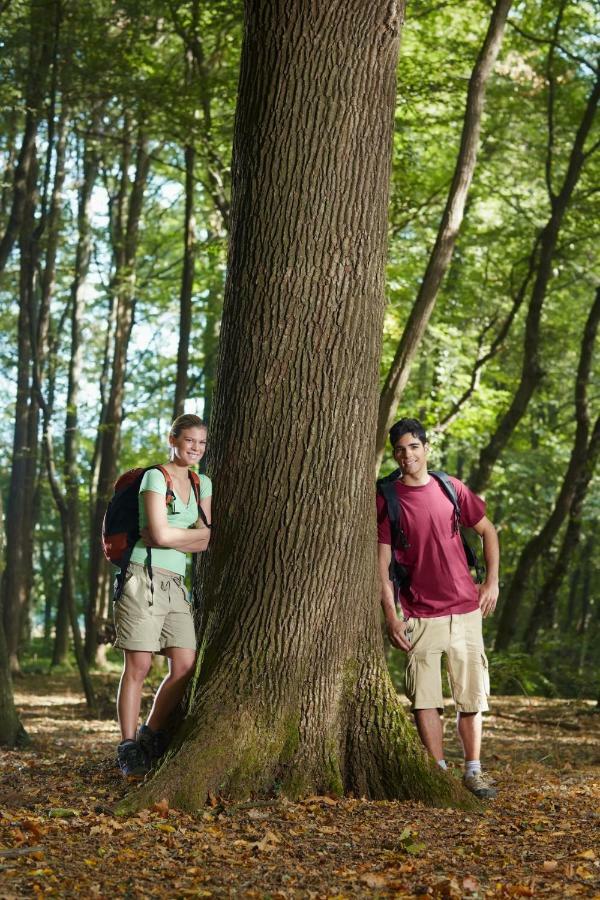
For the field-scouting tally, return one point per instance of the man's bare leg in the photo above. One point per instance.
(469, 727)
(431, 732)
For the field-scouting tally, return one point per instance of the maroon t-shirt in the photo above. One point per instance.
(440, 579)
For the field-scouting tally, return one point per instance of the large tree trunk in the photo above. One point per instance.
(544, 248)
(123, 288)
(443, 249)
(293, 694)
(576, 471)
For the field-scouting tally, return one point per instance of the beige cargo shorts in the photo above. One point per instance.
(153, 620)
(460, 638)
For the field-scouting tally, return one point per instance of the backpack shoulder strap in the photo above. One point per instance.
(387, 488)
(169, 493)
(446, 484)
(195, 479)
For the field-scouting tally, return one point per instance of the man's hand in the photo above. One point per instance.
(488, 596)
(396, 629)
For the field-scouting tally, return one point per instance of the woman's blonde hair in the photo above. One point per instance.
(187, 420)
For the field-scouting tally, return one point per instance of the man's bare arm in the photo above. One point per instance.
(396, 627)
(489, 590)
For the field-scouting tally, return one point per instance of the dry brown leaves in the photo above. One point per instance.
(59, 837)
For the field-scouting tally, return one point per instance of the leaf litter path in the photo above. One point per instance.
(539, 838)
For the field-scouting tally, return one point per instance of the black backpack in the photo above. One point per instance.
(399, 573)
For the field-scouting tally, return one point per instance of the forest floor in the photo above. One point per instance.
(59, 836)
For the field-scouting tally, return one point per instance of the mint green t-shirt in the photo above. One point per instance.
(178, 516)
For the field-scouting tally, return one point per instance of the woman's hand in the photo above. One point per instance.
(145, 536)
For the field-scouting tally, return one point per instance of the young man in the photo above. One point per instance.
(441, 606)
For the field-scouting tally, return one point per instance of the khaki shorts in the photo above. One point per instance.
(460, 638)
(153, 621)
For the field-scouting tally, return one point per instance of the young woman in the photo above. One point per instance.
(153, 614)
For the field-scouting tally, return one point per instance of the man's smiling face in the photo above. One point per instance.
(411, 455)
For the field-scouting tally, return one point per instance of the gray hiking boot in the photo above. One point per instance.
(480, 785)
(132, 759)
(153, 743)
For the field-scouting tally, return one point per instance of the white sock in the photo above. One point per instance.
(472, 767)
(442, 763)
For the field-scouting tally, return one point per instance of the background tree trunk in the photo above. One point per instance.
(293, 693)
(123, 288)
(576, 470)
(21, 496)
(71, 438)
(187, 285)
(531, 372)
(12, 733)
(443, 249)
(543, 611)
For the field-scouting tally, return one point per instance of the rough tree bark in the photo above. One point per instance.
(293, 694)
(544, 248)
(575, 472)
(443, 249)
(123, 289)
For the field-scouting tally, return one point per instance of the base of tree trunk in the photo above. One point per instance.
(12, 733)
(369, 749)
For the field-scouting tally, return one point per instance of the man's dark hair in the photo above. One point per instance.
(407, 426)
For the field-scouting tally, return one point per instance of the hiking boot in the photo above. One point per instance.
(153, 743)
(480, 785)
(132, 759)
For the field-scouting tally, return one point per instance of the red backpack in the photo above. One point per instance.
(121, 525)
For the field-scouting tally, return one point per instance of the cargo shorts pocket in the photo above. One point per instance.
(485, 674)
(410, 678)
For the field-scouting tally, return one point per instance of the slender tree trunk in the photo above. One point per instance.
(576, 473)
(531, 371)
(44, 15)
(123, 289)
(71, 436)
(210, 345)
(12, 733)
(443, 249)
(542, 613)
(20, 505)
(294, 691)
(187, 284)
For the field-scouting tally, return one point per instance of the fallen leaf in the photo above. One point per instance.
(587, 854)
(550, 865)
(161, 826)
(61, 812)
(268, 842)
(161, 807)
(471, 884)
(373, 880)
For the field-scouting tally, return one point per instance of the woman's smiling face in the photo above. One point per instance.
(189, 446)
